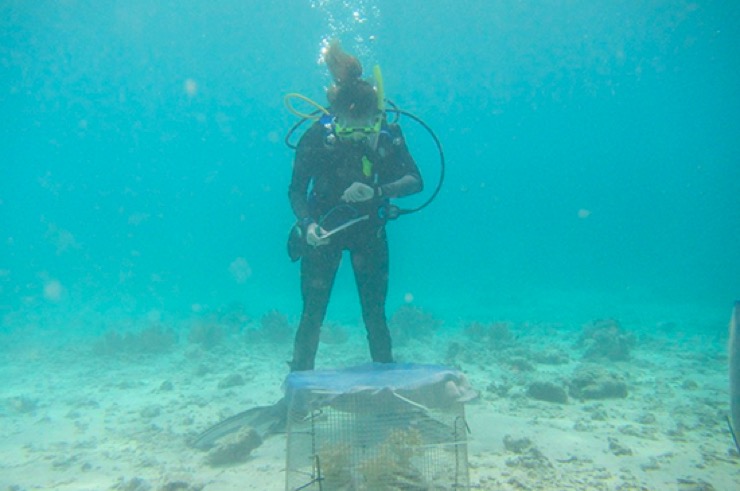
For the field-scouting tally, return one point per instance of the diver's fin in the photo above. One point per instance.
(266, 421)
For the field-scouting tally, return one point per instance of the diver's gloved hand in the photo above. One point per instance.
(314, 235)
(358, 192)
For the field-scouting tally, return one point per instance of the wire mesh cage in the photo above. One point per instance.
(381, 435)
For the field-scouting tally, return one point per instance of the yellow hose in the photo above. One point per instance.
(295, 95)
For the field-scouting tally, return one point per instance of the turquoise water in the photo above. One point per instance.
(592, 172)
(593, 157)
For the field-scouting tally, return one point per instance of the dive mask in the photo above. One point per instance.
(352, 132)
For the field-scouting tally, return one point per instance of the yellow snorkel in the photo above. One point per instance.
(378, 76)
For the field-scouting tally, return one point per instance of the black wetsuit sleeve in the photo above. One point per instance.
(303, 173)
(404, 176)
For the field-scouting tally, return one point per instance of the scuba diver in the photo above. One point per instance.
(347, 166)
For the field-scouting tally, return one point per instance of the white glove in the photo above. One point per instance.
(358, 192)
(314, 235)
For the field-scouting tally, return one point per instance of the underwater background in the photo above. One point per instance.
(592, 158)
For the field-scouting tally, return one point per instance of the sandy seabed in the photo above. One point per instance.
(75, 418)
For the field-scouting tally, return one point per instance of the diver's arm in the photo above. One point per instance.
(406, 185)
(302, 176)
(405, 178)
(298, 195)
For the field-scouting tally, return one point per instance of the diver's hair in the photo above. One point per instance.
(343, 66)
(350, 95)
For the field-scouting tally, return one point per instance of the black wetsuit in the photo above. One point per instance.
(321, 173)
